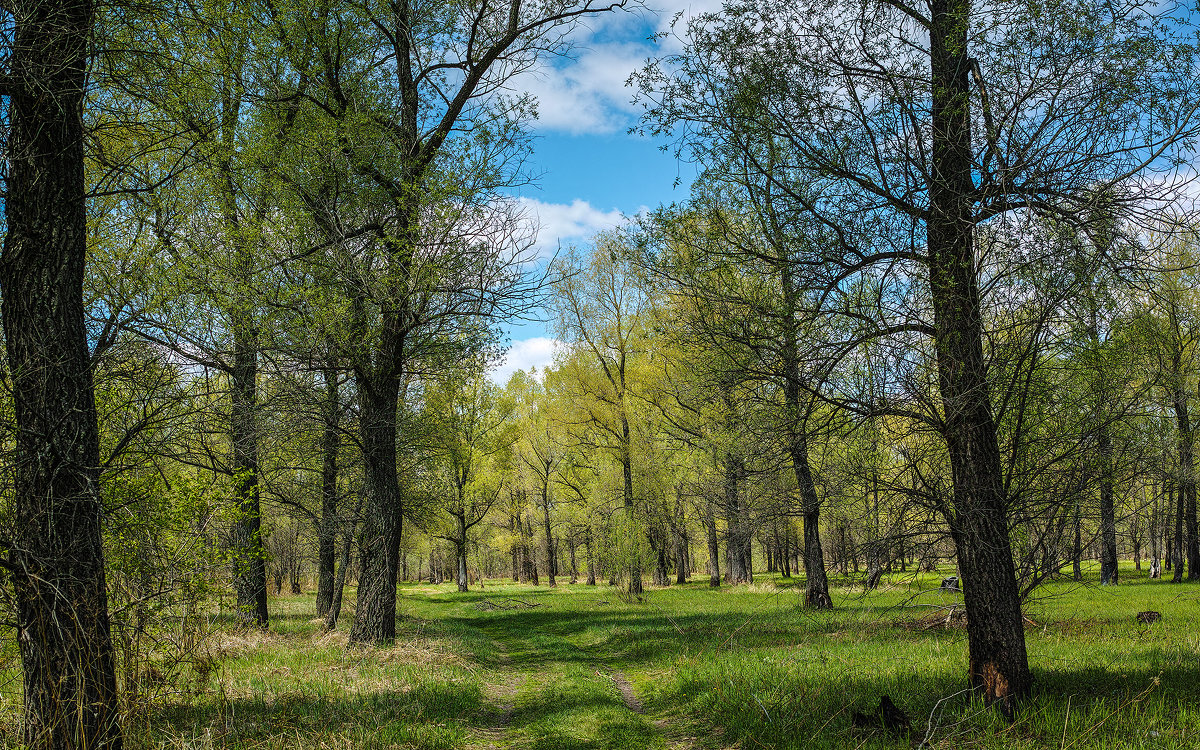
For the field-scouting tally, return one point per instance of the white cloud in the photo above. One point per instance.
(535, 352)
(562, 223)
(586, 93)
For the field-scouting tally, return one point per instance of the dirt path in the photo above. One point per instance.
(627, 694)
(675, 738)
(501, 695)
(546, 690)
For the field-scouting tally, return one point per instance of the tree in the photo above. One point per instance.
(469, 423)
(204, 286)
(600, 313)
(728, 259)
(56, 556)
(412, 101)
(1169, 324)
(539, 453)
(904, 128)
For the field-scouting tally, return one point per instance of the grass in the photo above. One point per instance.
(741, 667)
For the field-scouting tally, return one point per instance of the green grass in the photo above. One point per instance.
(741, 667)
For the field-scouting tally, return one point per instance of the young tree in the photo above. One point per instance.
(469, 420)
(601, 310)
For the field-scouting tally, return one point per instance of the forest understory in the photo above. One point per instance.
(515, 666)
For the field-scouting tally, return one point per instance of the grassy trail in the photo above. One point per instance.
(547, 685)
(521, 668)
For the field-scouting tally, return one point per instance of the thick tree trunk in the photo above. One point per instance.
(375, 612)
(249, 556)
(1176, 551)
(1193, 541)
(1185, 512)
(662, 575)
(57, 556)
(460, 552)
(816, 592)
(461, 555)
(713, 544)
(327, 533)
(735, 555)
(999, 665)
(1109, 572)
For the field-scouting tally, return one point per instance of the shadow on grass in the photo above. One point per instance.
(429, 716)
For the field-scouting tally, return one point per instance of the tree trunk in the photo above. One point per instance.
(249, 557)
(531, 570)
(1185, 512)
(1109, 572)
(460, 551)
(514, 524)
(58, 576)
(681, 557)
(635, 562)
(735, 555)
(339, 580)
(375, 613)
(551, 567)
(662, 576)
(816, 592)
(999, 665)
(327, 534)
(591, 561)
(1177, 551)
(786, 549)
(571, 545)
(1077, 548)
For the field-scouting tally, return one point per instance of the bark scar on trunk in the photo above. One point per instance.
(990, 678)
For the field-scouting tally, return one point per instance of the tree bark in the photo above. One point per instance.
(375, 612)
(461, 556)
(735, 555)
(1109, 571)
(339, 580)
(1077, 547)
(1177, 552)
(57, 557)
(591, 560)
(635, 562)
(327, 534)
(551, 567)
(714, 550)
(816, 592)
(681, 556)
(1186, 510)
(999, 665)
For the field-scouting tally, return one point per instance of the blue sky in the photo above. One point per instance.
(591, 170)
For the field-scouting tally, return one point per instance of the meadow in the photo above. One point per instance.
(508, 666)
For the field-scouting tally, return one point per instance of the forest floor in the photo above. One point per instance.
(525, 668)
